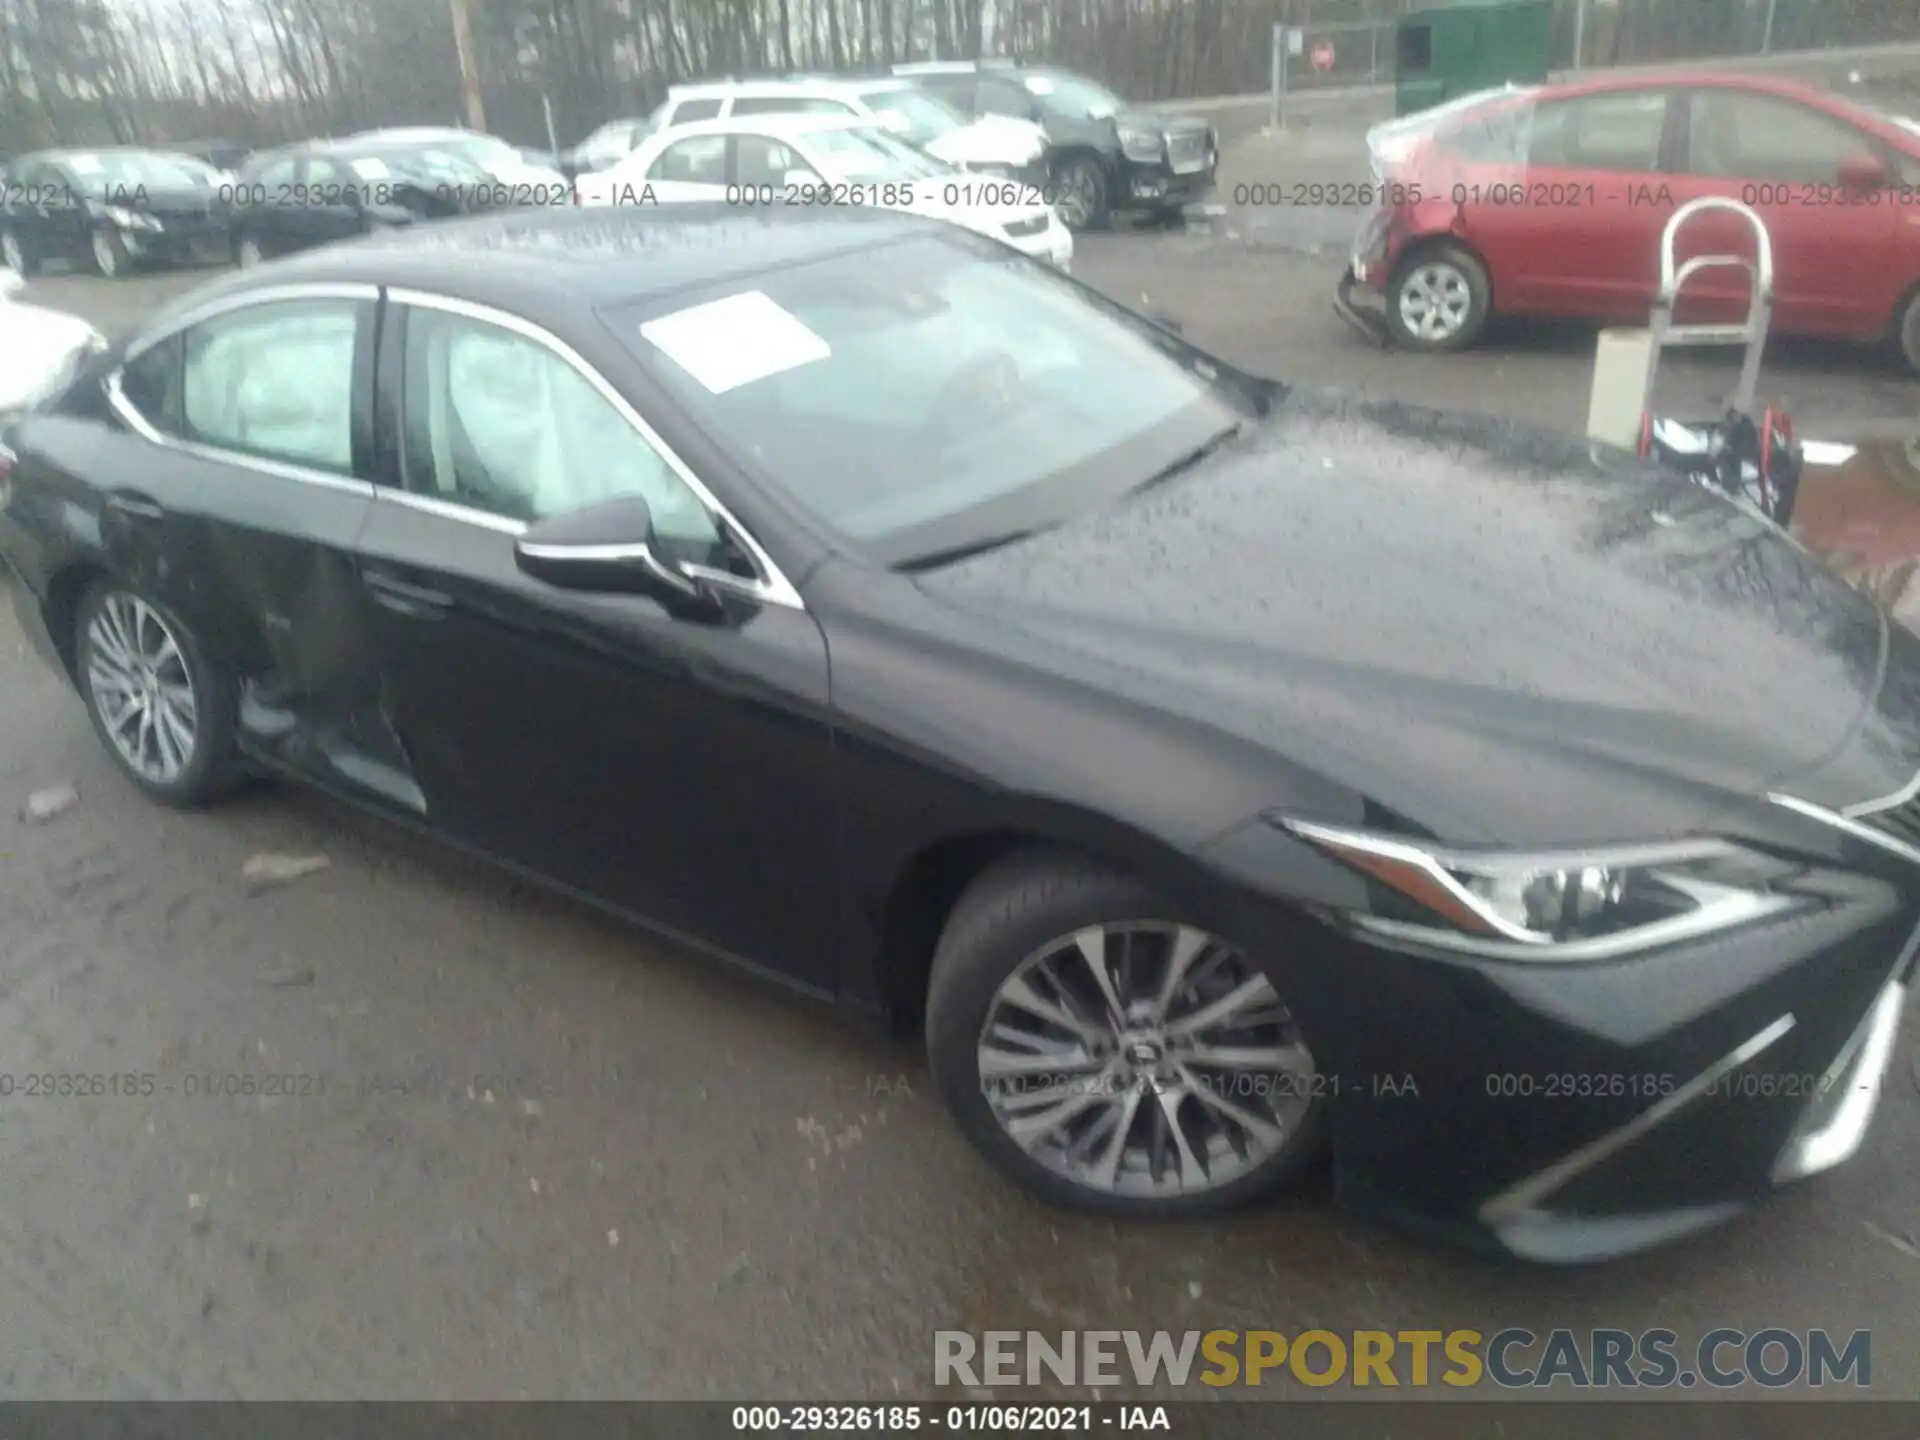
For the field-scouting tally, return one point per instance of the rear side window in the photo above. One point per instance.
(1600, 132)
(697, 160)
(688, 111)
(274, 380)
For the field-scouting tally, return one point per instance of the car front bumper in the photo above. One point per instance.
(1158, 186)
(1572, 1113)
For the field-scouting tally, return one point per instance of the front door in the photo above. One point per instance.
(1833, 249)
(676, 769)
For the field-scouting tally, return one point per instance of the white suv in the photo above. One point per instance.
(994, 144)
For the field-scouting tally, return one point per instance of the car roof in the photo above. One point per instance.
(783, 85)
(1781, 85)
(551, 261)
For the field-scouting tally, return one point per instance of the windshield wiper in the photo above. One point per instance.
(1191, 458)
(953, 554)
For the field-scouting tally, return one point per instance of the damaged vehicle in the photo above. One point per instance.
(1213, 770)
(39, 347)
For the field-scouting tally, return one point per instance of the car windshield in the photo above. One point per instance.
(868, 153)
(928, 396)
(105, 171)
(1074, 93)
(922, 117)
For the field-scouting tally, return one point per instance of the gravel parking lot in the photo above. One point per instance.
(554, 1160)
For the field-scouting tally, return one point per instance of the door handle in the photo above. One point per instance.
(135, 505)
(405, 598)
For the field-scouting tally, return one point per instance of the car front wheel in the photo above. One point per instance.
(1908, 333)
(109, 253)
(1109, 1054)
(246, 253)
(164, 711)
(1438, 299)
(1081, 193)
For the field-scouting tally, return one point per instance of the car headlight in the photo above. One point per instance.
(130, 219)
(1577, 905)
(1140, 144)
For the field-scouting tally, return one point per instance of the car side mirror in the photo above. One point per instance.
(1864, 171)
(609, 549)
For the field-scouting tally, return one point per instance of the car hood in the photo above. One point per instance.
(1497, 633)
(992, 140)
(1160, 121)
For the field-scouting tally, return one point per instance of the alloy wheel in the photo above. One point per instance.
(11, 252)
(106, 254)
(142, 688)
(1435, 299)
(1145, 1059)
(1079, 196)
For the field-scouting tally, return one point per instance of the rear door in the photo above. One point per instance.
(243, 492)
(1574, 228)
(1833, 248)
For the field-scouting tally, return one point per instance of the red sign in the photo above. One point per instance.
(1322, 56)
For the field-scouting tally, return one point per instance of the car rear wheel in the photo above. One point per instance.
(247, 253)
(14, 252)
(1110, 1055)
(163, 710)
(1081, 189)
(1908, 333)
(109, 253)
(1437, 300)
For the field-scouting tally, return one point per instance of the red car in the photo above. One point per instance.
(1551, 202)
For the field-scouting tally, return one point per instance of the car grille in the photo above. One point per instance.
(1187, 152)
(1034, 225)
(1902, 822)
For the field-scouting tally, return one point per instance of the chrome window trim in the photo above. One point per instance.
(1520, 1202)
(265, 295)
(453, 510)
(1847, 825)
(773, 589)
(1903, 796)
(279, 469)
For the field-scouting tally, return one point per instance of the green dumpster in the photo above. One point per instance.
(1448, 51)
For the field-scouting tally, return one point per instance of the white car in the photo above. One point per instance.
(38, 347)
(994, 144)
(776, 160)
(493, 155)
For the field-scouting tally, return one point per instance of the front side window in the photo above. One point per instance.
(789, 105)
(496, 421)
(697, 160)
(1600, 132)
(1074, 95)
(929, 392)
(276, 381)
(1735, 136)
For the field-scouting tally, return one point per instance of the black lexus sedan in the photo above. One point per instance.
(300, 196)
(110, 210)
(1104, 156)
(1234, 771)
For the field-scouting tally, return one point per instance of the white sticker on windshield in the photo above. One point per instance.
(371, 169)
(1039, 85)
(84, 164)
(732, 342)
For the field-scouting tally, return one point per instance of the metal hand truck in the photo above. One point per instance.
(1754, 460)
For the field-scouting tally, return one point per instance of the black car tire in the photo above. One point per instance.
(1082, 175)
(16, 256)
(109, 252)
(1907, 332)
(1015, 907)
(212, 767)
(1433, 275)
